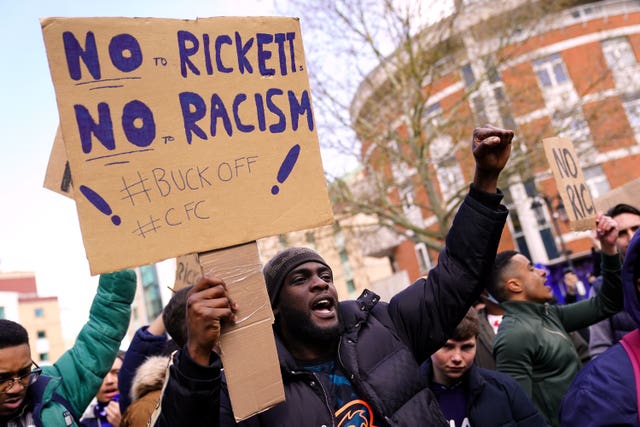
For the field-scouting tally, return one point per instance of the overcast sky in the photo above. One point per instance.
(39, 229)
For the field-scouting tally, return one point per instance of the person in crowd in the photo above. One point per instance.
(533, 344)
(148, 357)
(607, 332)
(472, 396)
(574, 287)
(104, 410)
(575, 291)
(56, 395)
(490, 314)
(489, 317)
(146, 388)
(605, 391)
(152, 340)
(352, 358)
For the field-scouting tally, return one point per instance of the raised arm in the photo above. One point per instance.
(609, 299)
(491, 148)
(84, 365)
(427, 312)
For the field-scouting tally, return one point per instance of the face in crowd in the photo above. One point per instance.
(531, 279)
(452, 360)
(109, 388)
(628, 224)
(17, 373)
(307, 307)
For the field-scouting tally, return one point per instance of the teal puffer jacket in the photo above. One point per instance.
(73, 380)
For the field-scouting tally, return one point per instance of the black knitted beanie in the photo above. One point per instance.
(282, 263)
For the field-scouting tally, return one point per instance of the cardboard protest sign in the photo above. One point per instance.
(628, 193)
(185, 136)
(247, 347)
(572, 187)
(188, 271)
(58, 176)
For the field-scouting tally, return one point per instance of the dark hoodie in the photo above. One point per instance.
(604, 392)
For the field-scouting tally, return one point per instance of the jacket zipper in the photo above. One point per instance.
(326, 399)
(324, 393)
(351, 378)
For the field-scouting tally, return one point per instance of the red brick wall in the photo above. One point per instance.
(592, 79)
(608, 123)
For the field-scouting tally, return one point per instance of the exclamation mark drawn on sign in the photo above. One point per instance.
(99, 203)
(287, 166)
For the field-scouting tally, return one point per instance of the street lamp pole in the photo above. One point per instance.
(537, 209)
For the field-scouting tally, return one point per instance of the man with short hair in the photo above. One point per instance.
(57, 395)
(606, 333)
(473, 396)
(628, 219)
(533, 343)
(351, 362)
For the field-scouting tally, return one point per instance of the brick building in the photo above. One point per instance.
(571, 70)
(40, 316)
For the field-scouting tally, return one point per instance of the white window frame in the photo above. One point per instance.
(448, 169)
(422, 255)
(551, 66)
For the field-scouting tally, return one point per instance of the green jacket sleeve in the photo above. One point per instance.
(514, 356)
(606, 302)
(84, 365)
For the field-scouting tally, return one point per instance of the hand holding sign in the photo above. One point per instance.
(208, 306)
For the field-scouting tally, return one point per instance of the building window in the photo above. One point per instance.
(409, 207)
(550, 71)
(572, 124)
(401, 170)
(467, 75)
(431, 118)
(38, 312)
(596, 181)
(518, 234)
(422, 254)
(487, 99)
(622, 63)
(508, 121)
(42, 334)
(618, 53)
(448, 170)
(478, 108)
(406, 197)
(491, 70)
(632, 108)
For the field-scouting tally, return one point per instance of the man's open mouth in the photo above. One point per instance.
(324, 307)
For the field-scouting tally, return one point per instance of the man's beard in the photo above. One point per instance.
(300, 325)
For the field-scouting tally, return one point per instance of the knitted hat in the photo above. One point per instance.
(282, 263)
